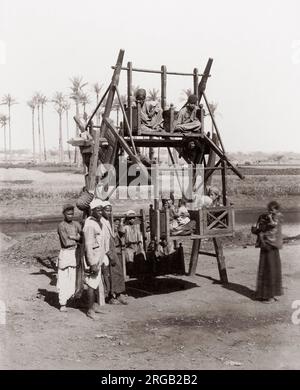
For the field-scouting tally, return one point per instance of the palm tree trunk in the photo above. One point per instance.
(33, 137)
(39, 134)
(68, 136)
(60, 144)
(9, 131)
(43, 128)
(76, 134)
(97, 114)
(5, 151)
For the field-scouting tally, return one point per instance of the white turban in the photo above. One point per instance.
(96, 203)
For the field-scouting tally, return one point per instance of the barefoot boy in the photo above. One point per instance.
(69, 236)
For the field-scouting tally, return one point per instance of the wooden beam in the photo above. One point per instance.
(159, 72)
(224, 177)
(214, 122)
(126, 121)
(125, 146)
(129, 92)
(203, 81)
(220, 260)
(220, 153)
(96, 109)
(194, 257)
(91, 182)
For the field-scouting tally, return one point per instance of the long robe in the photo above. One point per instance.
(187, 121)
(269, 276)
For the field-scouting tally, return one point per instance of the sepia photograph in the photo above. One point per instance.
(149, 187)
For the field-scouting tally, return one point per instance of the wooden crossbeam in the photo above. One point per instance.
(217, 219)
(220, 153)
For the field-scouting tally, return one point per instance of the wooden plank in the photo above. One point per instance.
(168, 135)
(220, 260)
(194, 257)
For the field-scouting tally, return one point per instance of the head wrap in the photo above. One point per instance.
(140, 93)
(67, 207)
(96, 203)
(192, 99)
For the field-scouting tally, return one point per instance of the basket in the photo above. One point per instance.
(84, 200)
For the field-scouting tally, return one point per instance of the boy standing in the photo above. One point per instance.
(69, 236)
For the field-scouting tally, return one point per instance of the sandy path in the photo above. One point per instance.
(193, 323)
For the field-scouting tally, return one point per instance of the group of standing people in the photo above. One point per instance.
(104, 273)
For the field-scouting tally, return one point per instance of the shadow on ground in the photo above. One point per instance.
(238, 288)
(139, 288)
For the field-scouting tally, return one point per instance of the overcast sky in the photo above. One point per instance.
(255, 46)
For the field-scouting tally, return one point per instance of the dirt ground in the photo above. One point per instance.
(179, 323)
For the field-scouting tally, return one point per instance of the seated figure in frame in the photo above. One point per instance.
(187, 120)
(151, 112)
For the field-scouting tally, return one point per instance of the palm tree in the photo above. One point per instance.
(97, 89)
(4, 119)
(66, 107)
(117, 106)
(37, 97)
(9, 101)
(32, 104)
(213, 108)
(186, 93)
(43, 101)
(84, 100)
(59, 101)
(76, 91)
(153, 94)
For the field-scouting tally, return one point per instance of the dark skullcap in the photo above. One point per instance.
(140, 93)
(192, 99)
(67, 207)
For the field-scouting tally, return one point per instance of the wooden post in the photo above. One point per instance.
(220, 260)
(91, 180)
(139, 118)
(163, 87)
(202, 119)
(211, 159)
(194, 256)
(171, 129)
(143, 228)
(224, 194)
(196, 81)
(129, 92)
(111, 93)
